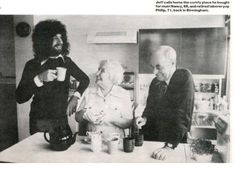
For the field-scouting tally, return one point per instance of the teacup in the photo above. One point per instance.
(112, 142)
(128, 144)
(96, 141)
(139, 139)
(113, 145)
(61, 73)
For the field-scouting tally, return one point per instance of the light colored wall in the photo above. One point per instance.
(23, 52)
(87, 55)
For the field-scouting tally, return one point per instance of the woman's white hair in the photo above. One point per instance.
(115, 70)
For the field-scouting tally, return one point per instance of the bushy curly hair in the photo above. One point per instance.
(43, 35)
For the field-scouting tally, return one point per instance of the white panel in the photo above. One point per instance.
(112, 37)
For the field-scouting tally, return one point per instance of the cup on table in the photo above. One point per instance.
(128, 144)
(113, 144)
(61, 72)
(96, 141)
(139, 139)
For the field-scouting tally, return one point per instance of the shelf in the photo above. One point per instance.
(203, 127)
(207, 76)
(207, 111)
(128, 88)
(205, 132)
(211, 93)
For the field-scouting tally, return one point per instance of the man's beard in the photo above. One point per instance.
(55, 51)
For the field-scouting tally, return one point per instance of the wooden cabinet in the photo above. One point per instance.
(201, 50)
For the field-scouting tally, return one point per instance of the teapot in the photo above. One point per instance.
(60, 138)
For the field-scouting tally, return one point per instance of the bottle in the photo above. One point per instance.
(211, 104)
(212, 87)
(134, 130)
(225, 103)
(217, 88)
(216, 101)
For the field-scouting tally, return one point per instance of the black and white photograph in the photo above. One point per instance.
(115, 88)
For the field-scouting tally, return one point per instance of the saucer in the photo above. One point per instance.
(86, 140)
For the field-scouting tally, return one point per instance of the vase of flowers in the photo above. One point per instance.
(202, 150)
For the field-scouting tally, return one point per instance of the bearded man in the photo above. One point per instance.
(39, 79)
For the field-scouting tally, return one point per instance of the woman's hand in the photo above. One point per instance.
(94, 116)
(72, 105)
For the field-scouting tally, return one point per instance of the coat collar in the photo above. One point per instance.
(59, 56)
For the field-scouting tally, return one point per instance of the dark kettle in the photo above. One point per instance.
(60, 138)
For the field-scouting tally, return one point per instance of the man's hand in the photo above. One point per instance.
(48, 75)
(72, 105)
(139, 122)
(161, 153)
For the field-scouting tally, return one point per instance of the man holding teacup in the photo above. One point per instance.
(46, 77)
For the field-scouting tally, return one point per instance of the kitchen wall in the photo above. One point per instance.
(83, 53)
(23, 52)
(87, 55)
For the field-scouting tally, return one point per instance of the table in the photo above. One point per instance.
(35, 149)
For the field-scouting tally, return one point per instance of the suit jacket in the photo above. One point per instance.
(169, 109)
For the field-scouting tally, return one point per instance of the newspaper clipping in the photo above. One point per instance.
(115, 81)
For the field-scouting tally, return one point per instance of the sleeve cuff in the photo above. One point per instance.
(77, 94)
(170, 145)
(38, 82)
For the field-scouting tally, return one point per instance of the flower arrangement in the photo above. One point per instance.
(202, 146)
(202, 150)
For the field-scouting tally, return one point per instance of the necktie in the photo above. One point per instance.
(163, 88)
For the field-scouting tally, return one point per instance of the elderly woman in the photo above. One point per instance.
(107, 108)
